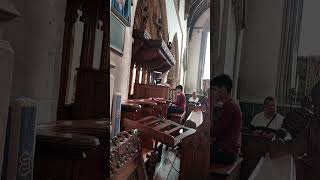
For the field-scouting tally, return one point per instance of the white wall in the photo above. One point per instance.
(193, 61)
(310, 28)
(122, 70)
(194, 46)
(261, 49)
(177, 24)
(37, 38)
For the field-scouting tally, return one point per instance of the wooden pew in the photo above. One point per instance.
(256, 146)
(72, 150)
(135, 110)
(126, 161)
(195, 151)
(253, 148)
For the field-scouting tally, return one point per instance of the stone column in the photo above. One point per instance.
(7, 12)
(291, 25)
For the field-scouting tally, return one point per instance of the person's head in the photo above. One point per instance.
(194, 95)
(315, 95)
(221, 87)
(270, 105)
(179, 89)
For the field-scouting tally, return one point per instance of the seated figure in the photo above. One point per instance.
(180, 105)
(193, 98)
(226, 129)
(268, 122)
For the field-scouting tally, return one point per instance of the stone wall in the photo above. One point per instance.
(261, 50)
(37, 38)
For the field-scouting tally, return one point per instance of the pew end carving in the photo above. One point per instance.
(126, 159)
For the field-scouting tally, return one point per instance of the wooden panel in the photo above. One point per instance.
(161, 131)
(91, 99)
(195, 154)
(145, 91)
(72, 150)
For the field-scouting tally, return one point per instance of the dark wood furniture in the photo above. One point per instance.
(145, 91)
(91, 94)
(91, 98)
(256, 146)
(72, 150)
(151, 54)
(126, 161)
(195, 151)
(135, 110)
(160, 130)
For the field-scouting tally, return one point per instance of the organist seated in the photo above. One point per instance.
(179, 106)
(268, 122)
(226, 131)
(193, 99)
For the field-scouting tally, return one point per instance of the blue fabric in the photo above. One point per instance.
(26, 148)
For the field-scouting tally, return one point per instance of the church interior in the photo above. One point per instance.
(159, 89)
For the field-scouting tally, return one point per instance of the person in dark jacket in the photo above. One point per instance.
(227, 128)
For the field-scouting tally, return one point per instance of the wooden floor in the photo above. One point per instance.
(169, 167)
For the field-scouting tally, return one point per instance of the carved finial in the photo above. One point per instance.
(169, 45)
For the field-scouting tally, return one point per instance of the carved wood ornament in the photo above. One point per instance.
(90, 82)
(150, 51)
(125, 148)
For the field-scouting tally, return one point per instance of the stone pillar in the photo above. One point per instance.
(193, 61)
(6, 71)
(291, 25)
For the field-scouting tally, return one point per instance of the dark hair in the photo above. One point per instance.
(179, 87)
(269, 98)
(222, 80)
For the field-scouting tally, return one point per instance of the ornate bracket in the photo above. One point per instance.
(123, 148)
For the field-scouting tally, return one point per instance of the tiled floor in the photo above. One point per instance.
(169, 167)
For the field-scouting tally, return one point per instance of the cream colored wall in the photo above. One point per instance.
(177, 24)
(310, 28)
(261, 49)
(37, 38)
(123, 62)
(6, 71)
(193, 61)
(194, 46)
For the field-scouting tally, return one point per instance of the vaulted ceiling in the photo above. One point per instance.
(194, 9)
